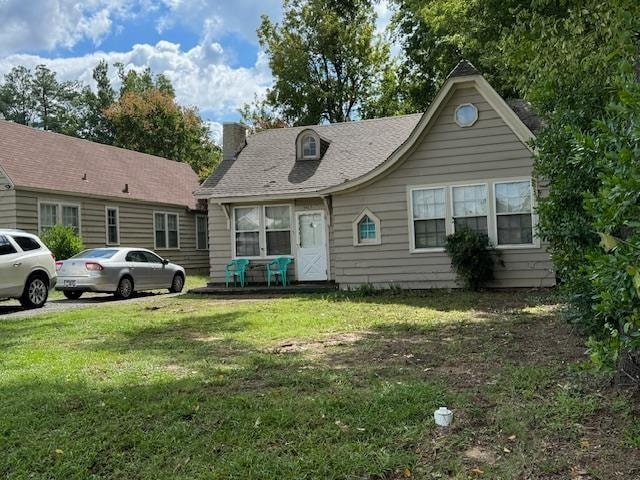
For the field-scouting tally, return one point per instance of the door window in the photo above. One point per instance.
(151, 258)
(136, 257)
(311, 233)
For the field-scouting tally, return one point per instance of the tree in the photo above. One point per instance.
(56, 103)
(95, 124)
(16, 100)
(259, 116)
(325, 57)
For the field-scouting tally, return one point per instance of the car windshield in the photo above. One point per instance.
(97, 253)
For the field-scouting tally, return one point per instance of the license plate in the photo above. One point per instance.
(69, 283)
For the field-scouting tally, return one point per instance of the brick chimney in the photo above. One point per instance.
(234, 136)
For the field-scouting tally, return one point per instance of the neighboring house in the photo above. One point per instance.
(371, 202)
(109, 195)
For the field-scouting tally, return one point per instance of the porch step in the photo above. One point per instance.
(299, 288)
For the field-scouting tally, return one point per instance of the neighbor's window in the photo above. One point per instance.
(247, 231)
(166, 230)
(429, 213)
(309, 146)
(514, 213)
(202, 235)
(277, 224)
(470, 207)
(113, 226)
(367, 231)
(59, 214)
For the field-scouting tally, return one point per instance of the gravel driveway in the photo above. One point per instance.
(12, 308)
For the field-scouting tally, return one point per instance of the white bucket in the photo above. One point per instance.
(443, 416)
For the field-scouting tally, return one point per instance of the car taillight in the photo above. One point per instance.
(93, 266)
(58, 265)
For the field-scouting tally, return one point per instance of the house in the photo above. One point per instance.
(110, 196)
(371, 202)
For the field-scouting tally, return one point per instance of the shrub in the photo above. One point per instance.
(471, 257)
(63, 241)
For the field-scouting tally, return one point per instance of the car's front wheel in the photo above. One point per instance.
(72, 295)
(125, 288)
(177, 284)
(36, 292)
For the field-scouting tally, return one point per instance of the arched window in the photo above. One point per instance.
(309, 147)
(366, 229)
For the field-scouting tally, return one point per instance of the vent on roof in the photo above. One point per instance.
(126, 188)
(84, 177)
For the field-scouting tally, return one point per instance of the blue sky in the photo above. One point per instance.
(208, 48)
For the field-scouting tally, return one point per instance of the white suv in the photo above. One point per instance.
(27, 268)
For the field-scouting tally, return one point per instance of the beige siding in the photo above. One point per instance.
(7, 208)
(136, 225)
(221, 249)
(447, 153)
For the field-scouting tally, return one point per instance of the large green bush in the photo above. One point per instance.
(471, 257)
(63, 241)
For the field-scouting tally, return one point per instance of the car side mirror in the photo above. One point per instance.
(165, 261)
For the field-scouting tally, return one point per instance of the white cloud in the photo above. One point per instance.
(37, 25)
(199, 75)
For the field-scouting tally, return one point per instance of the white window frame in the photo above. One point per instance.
(59, 204)
(356, 229)
(262, 231)
(534, 218)
(106, 223)
(455, 115)
(206, 230)
(447, 216)
(166, 232)
(452, 209)
(492, 223)
(300, 147)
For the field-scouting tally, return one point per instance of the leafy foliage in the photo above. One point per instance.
(325, 67)
(471, 257)
(63, 241)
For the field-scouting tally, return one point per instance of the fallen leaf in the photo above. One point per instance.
(477, 471)
(506, 450)
(197, 408)
(584, 443)
(59, 451)
(406, 473)
(512, 438)
(257, 424)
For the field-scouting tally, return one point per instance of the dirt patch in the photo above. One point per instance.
(333, 340)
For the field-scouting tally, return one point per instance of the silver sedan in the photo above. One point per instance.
(121, 271)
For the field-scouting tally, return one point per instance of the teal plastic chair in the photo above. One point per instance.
(277, 267)
(236, 268)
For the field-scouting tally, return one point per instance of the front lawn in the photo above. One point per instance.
(309, 387)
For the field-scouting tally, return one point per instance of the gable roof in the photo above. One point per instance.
(267, 164)
(45, 160)
(358, 152)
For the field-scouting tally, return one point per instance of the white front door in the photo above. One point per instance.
(311, 261)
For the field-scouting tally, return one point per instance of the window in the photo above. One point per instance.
(27, 244)
(366, 229)
(429, 215)
(514, 219)
(113, 226)
(247, 227)
(136, 257)
(202, 235)
(5, 246)
(166, 230)
(52, 213)
(151, 257)
(470, 207)
(309, 147)
(277, 223)
(466, 115)
(262, 231)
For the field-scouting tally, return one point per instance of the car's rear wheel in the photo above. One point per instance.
(36, 292)
(177, 284)
(72, 295)
(125, 288)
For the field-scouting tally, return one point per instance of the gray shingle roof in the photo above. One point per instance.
(267, 165)
(462, 69)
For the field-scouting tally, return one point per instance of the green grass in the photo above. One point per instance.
(316, 387)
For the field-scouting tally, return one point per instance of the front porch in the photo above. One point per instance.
(263, 289)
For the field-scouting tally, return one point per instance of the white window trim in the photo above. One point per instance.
(262, 231)
(166, 232)
(299, 147)
(206, 225)
(455, 115)
(534, 217)
(492, 224)
(447, 215)
(106, 223)
(356, 233)
(59, 204)
(452, 210)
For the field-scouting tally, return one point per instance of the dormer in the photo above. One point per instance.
(309, 145)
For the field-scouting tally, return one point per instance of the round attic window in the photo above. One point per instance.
(466, 114)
